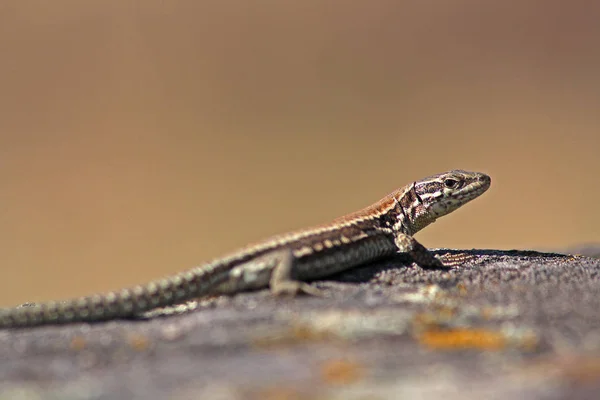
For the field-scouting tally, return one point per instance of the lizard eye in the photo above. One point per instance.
(451, 183)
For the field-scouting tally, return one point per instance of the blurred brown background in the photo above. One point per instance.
(142, 138)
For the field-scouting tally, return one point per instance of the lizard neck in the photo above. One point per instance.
(410, 213)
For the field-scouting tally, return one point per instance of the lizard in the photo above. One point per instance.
(283, 263)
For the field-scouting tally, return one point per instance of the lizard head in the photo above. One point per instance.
(438, 195)
(443, 193)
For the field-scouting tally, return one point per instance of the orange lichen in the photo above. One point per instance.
(341, 372)
(295, 335)
(306, 333)
(77, 343)
(481, 339)
(277, 393)
(138, 342)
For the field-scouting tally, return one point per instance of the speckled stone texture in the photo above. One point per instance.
(507, 324)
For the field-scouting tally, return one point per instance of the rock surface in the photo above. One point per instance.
(507, 324)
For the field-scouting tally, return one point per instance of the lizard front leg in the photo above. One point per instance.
(419, 253)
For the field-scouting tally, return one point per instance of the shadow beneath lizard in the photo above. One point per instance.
(472, 257)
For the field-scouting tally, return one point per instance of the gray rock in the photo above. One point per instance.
(518, 324)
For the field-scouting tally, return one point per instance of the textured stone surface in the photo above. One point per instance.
(508, 323)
